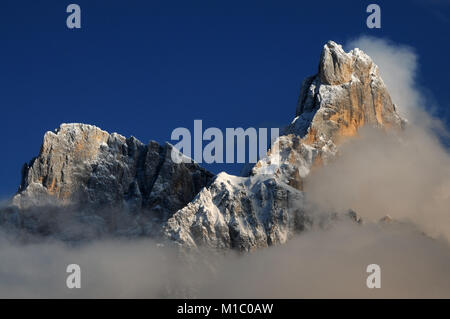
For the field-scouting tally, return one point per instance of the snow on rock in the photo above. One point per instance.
(86, 182)
(346, 94)
(243, 213)
(124, 184)
(267, 207)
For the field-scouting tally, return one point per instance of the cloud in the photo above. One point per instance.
(406, 176)
(322, 264)
(332, 264)
(108, 269)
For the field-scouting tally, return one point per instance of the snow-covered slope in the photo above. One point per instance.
(239, 212)
(268, 206)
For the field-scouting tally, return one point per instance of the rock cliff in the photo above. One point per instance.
(268, 207)
(87, 181)
(123, 185)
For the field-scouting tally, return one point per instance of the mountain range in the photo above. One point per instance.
(86, 183)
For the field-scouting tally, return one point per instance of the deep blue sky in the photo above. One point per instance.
(143, 68)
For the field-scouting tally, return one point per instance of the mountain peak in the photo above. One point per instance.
(335, 65)
(346, 94)
(338, 67)
(106, 176)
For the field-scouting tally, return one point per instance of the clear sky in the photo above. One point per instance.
(143, 68)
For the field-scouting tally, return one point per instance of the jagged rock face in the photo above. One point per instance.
(268, 206)
(243, 213)
(111, 184)
(107, 175)
(335, 66)
(346, 94)
(62, 168)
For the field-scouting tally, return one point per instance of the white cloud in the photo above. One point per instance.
(398, 65)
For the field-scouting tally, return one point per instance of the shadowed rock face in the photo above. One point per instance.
(82, 168)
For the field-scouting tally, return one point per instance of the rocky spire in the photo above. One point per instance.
(346, 94)
(335, 67)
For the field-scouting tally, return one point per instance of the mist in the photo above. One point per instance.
(321, 264)
(405, 176)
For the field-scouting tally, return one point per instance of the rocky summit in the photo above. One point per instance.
(267, 207)
(113, 184)
(346, 94)
(86, 183)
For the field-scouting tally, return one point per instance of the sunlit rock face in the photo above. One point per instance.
(335, 66)
(63, 166)
(268, 206)
(346, 94)
(120, 183)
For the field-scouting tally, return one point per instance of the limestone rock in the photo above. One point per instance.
(335, 67)
(346, 94)
(129, 186)
(267, 206)
(243, 213)
(334, 110)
